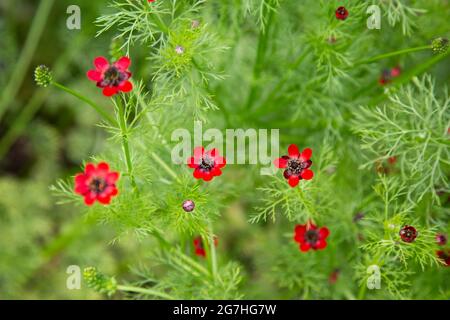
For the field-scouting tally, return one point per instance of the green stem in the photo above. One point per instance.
(393, 54)
(145, 291)
(26, 55)
(125, 144)
(165, 167)
(213, 253)
(97, 108)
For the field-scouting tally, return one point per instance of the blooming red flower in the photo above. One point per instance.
(341, 13)
(199, 247)
(388, 74)
(113, 78)
(207, 164)
(408, 233)
(310, 237)
(445, 256)
(96, 183)
(296, 165)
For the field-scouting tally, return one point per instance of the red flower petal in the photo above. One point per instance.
(126, 86)
(213, 153)
(293, 151)
(200, 252)
(293, 181)
(112, 177)
(281, 163)
(307, 174)
(89, 198)
(320, 244)
(101, 63)
(306, 154)
(106, 199)
(198, 174)
(191, 163)
(110, 91)
(207, 176)
(198, 153)
(216, 172)
(123, 63)
(220, 162)
(90, 169)
(305, 246)
(103, 166)
(94, 75)
(324, 232)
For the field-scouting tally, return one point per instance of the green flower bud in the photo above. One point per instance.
(99, 282)
(43, 76)
(439, 45)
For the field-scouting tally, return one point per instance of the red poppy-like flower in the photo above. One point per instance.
(113, 78)
(445, 256)
(341, 13)
(207, 164)
(199, 247)
(310, 237)
(151, 0)
(96, 183)
(296, 165)
(408, 233)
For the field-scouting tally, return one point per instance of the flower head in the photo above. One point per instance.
(296, 164)
(341, 13)
(441, 239)
(388, 74)
(207, 164)
(96, 183)
(440, 45)
(408, 233)
(113, 78)
(43, 76)
(199, 247)
(444, 255)
(308, 236)
(99, 282)
(188, 205)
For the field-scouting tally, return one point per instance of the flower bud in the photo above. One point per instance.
(99, 282)
(439, 45)
(43, 76)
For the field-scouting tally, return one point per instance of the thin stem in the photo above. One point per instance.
(165, 167)
(125, 144)
(213, 254)
(26, 55)
(392, 54)
(97, 108)
(145, 291)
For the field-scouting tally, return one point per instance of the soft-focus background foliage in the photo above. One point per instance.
(46, 135)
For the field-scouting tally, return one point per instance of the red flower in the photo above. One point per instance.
(310, 237)
(296, 165)
(96, 183)
(341, 13)
(445, 256)
(111, 77)
(408, 233)
(207, 164)
(441, 239)
(387, 75)
(199, 248)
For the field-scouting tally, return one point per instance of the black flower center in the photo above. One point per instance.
(311, 236)
(207, 163)
(113, 77)
(295, 166)
(97, 185)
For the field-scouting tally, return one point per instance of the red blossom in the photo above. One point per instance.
(444, 255)
(113, 78)
(96, 183)
(296, 165)
(341, 13)
(199, 247)
(408, 233)
(308, 236)
(441, 239)
(388, 74)
(207, 164)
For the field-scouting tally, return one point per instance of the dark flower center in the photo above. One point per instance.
(295, 166)
(113, 77)
(207, 163)
(97, 185)
(311, 236)
(341, 11)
